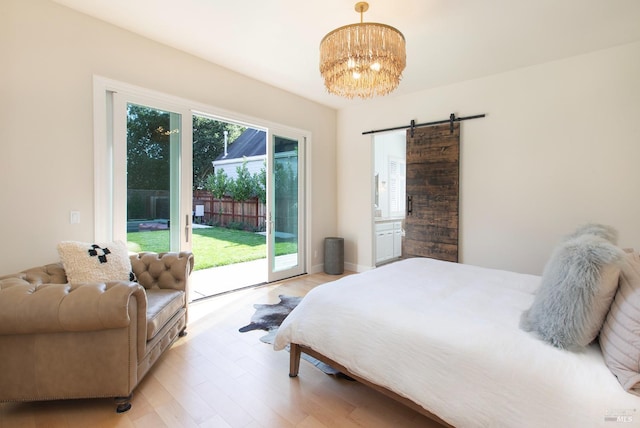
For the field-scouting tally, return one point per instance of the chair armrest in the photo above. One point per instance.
(163, 270)
(47, 308)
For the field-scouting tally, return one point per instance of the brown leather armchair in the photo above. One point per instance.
(62, 341)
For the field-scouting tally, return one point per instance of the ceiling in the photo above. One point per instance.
(277, 41)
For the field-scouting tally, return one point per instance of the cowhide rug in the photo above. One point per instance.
(268, 317)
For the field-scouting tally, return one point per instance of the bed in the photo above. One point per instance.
(444, 338)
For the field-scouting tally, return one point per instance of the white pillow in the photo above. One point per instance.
(89, 263)
(620, 334)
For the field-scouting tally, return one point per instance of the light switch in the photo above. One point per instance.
(74, 217)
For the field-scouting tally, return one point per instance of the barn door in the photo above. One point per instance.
(432, 177)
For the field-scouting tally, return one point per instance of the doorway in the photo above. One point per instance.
(389, 195)
(248, 194)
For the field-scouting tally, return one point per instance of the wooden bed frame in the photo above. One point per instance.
(294, 367)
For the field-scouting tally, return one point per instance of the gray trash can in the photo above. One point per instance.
(334, 256)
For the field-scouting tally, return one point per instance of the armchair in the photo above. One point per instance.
(63, 341)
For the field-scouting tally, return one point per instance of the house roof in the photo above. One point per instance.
(251, 142)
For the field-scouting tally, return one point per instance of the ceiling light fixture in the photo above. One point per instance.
(362, 60)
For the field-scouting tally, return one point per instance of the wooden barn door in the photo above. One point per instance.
(432, 177)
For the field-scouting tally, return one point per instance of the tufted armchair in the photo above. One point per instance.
(63, 341)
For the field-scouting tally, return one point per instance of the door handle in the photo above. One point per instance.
(409, 205)
(186, 227)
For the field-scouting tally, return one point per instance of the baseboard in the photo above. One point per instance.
(316, 268)
(352, 267)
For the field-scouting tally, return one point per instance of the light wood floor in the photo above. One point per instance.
(218, 377)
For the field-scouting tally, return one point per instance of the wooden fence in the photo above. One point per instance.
(144, 204)
(223, 211)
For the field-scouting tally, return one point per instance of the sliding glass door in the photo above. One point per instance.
(285, 207)
(144, 179)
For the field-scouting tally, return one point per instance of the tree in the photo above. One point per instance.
(243, 186)
(218, 184)
(286, 184)
(208, 144)
(260, 184)
(148, 132)
(285, 180)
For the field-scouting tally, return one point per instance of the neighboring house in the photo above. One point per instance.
(250, 146)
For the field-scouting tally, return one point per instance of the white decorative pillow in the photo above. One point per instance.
(86, 262)
(620, 335)
(578, 285)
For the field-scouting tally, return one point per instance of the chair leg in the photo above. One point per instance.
(183, 332)
(123, 404)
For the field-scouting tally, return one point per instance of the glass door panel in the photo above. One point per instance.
(153, 144)
(285, 208)
(151, 197)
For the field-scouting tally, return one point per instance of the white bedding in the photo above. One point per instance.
(446, 336)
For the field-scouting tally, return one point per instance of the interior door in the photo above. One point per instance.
(152, 174)
(285, 205)
(432, 184)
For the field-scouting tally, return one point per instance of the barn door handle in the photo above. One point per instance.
(409, 205)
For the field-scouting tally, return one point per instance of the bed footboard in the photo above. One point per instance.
(296, 351)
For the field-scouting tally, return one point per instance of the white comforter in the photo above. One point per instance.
(446, 336)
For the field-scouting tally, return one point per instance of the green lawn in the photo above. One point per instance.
(214, 246)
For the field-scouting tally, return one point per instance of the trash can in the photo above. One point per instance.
(334, 256)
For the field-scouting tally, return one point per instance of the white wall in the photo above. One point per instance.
(49, 57)
(560, 146)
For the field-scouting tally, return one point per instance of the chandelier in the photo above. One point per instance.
(362, 60)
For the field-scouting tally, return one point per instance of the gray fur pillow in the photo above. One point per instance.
(601, 230)
(577, 288)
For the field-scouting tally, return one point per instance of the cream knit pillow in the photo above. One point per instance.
(89, 263)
